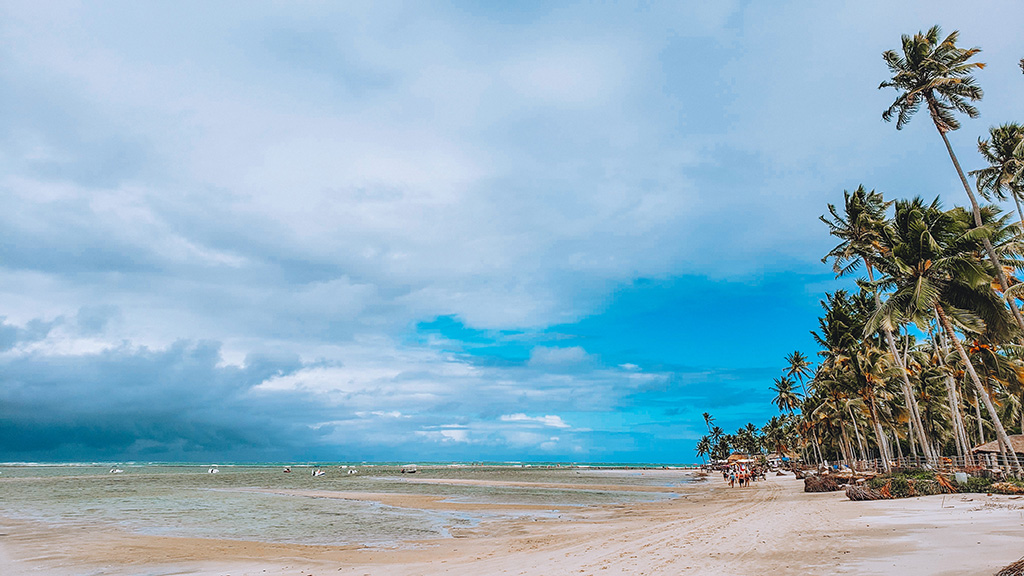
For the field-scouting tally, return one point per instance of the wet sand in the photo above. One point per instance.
(710, 529)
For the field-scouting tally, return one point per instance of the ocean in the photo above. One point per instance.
(189, 501)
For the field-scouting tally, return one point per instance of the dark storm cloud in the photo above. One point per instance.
(165, 404)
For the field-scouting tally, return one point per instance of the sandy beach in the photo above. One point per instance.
(772, 526)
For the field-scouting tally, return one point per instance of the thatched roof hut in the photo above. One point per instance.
(1016, 440)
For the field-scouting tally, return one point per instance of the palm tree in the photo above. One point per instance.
(852, 360)
(708, 420)
(703, 447)
(860, 228)
(785, 397)
(798, 366)
(932, 270)
(775, 434)
(1004, 152)
(938, 74)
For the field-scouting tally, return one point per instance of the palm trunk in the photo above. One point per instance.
(962, 445)
(1020, 213)
(910, 437)
(847, 447)
(1004, 439)
(962, 449)
(896, 441)
(977, 415)
(908, 388)
(856, 431)
(990, 252)
(883, 450)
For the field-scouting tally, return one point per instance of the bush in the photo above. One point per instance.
(1007, 488)
(976, 484)
(919, 483)
(900, 487)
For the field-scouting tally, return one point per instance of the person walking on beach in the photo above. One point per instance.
(732, 478)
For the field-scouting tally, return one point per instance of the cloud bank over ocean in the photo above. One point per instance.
(436, 232)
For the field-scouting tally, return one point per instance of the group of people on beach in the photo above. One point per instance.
(740, 474)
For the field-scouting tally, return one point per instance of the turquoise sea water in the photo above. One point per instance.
(187, 500)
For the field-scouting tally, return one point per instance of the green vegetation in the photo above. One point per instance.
(923, 355)
(911, 483)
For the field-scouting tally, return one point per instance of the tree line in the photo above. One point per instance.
(924, 354)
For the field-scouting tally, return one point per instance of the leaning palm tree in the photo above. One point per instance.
(708, 420)
(859, 225)
(1004, 177)
(932, 270)
(938, 74)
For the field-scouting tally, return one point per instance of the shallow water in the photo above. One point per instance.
(178, 500)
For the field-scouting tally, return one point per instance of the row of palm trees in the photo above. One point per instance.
(925, 355)
(774, 436)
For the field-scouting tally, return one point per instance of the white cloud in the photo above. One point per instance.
(294, 180)
(549, 420)
(546, 356)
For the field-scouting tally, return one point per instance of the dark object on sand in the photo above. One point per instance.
(820, 484)
(1015, 569)
(863, 493)
(780, 473)
(799, 474)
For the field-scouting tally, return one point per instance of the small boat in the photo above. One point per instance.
(318, 472)
(287, 469)
(116, 470)
(213, 470)
(409, 469)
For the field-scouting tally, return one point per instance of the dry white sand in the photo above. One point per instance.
(770, 527)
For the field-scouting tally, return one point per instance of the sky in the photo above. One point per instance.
(532, 231)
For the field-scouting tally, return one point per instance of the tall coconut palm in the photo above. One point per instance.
(703, 447)
(938, 74)
(798, 366)
(785, 397)
(1004, 177)
(708, 420)
(853, 360)
(932, 270)
(859, 226)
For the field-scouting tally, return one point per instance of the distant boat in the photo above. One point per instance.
(287, 469)
(409, 469)
(213, 470)
(116, 470)
(318, 472)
